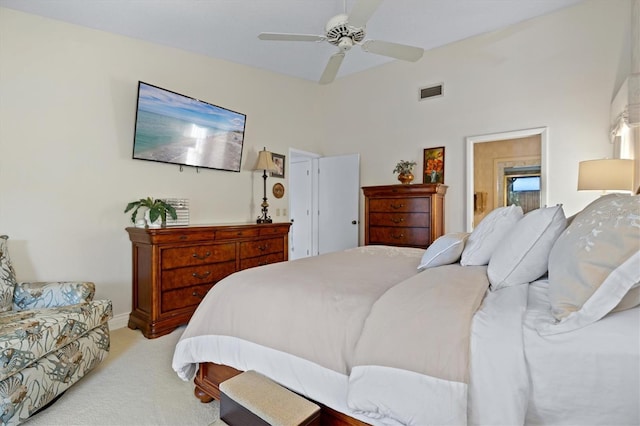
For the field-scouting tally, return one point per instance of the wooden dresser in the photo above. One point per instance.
(403, 215)
(174, 267)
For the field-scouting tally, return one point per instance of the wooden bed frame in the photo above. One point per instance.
(210, 376)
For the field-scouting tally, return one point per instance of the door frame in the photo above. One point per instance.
(299, 154)
(543, 132)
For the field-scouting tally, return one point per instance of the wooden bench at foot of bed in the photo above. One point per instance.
(210, 376)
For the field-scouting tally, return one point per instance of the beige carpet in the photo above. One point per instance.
(135, 385)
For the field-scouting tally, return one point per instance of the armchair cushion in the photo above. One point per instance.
(27, 336)
(7, 276)
(36, 295)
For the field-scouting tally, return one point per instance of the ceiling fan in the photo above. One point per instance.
(345, 31)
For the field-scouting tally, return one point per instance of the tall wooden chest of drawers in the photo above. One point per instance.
(403, 215)
(174, 267)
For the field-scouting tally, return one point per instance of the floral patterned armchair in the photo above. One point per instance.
(51, 335)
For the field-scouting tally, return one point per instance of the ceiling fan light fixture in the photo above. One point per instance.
(345, 44)
(338, 28)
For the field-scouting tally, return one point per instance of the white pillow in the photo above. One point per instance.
(523, 255)
(618, 285)
(595, 263)
(444, 250)
(487, 235)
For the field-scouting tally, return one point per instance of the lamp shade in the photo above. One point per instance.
(265, 162)
(605, 175)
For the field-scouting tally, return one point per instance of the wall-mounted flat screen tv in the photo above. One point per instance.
(178, 129)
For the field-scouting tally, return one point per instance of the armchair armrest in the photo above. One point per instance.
(35, 295)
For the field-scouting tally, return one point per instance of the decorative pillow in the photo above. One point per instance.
(7, 276)
(444, 250)
(595, 263)
(488, 234)
(523, 255)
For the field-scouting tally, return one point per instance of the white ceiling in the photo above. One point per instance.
(228, 29)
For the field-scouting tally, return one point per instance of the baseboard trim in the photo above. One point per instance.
(119, 321)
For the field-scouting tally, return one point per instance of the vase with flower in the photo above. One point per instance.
(405, 171)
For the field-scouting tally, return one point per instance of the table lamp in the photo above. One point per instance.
(605, 175)
(266, 164)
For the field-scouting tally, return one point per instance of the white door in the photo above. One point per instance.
(300, 205)
(338, 201)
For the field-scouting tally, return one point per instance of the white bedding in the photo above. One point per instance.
(589, 376)
(498, 385)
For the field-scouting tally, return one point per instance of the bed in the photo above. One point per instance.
(519, 322)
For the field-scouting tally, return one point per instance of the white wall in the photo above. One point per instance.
(559, 70)
(67, 113)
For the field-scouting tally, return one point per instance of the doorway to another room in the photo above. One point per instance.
(323, 203)
(504, 169)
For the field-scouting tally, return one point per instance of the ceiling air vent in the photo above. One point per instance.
(430, 92)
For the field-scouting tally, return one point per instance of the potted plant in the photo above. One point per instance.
(156, 209)
(405, 171)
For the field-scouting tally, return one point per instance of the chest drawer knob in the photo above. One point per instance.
(197, 256)
(263, 247)
(397, 237)
(397, 206)
(396, 220)
(198, 295)
(201, 276)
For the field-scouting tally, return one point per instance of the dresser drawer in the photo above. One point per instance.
(203, 236)
(195, 275)
(421, 205)
(397, 236)
(399, 219)
(261, 260)
(275, 230)
(236, 233)
(183, 297)
(197, 255)
(261, 247)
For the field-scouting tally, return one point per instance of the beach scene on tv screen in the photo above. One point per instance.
(173, 128)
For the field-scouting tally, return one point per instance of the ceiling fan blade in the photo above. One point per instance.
(362, 11)
(331, 70)
(393, 50)
(290, 37)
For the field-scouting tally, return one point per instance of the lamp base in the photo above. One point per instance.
(264, 220)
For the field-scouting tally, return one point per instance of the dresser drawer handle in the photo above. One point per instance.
(262, 263)
(201, 276)
(198, 295)
(397, 220)
(264, 247)
(397, 206)
(397, 237)
(197, 256)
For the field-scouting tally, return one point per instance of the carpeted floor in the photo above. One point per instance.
(135, 385)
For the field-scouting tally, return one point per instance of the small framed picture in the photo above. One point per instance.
(433, 166)
(279, 160)
(278, 190)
